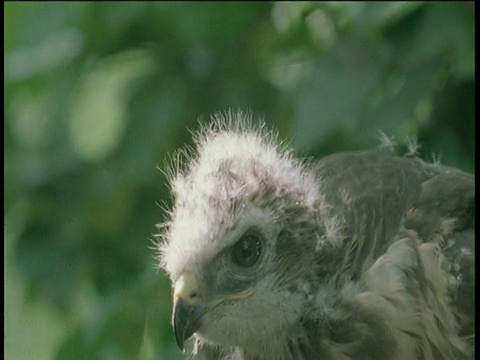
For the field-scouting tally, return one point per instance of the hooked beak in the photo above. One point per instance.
(187, 309)
(189, 306)
(186, 320)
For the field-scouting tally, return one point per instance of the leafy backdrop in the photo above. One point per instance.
(97, 94)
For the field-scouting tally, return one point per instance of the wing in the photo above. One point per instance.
(409, 242)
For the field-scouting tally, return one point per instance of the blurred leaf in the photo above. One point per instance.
(100, 104)
(340, 86)
(447, 30)
(116, 326)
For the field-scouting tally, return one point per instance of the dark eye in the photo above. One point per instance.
(247, 250)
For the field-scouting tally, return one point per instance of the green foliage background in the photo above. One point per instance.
(97, 94)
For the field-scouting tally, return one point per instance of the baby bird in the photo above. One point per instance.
(360, 255)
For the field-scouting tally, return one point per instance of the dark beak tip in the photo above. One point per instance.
(185, 322)
(179, 332)
(179, 338)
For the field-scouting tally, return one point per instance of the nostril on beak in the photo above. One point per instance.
(187, 288)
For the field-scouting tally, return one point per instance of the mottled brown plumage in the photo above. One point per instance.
(362, 255)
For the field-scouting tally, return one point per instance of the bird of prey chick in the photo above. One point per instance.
(361, 255)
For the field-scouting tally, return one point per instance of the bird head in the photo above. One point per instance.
(243, 239)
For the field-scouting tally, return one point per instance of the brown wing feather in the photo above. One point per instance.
(380, 197)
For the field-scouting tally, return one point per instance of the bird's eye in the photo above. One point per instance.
(247, 250)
